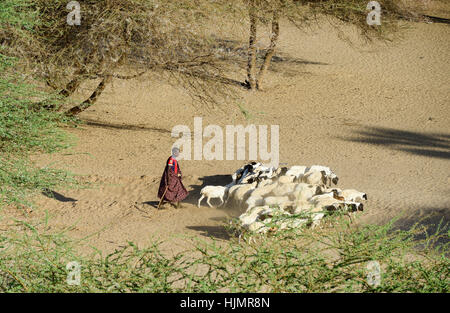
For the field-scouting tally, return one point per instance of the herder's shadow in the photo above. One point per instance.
(154, 204)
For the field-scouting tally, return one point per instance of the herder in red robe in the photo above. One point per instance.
(171, 188)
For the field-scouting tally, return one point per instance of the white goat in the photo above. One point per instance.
(266, 173)
(285, 179)
(276, 201)
(257, 227)
(284, 189)
(265, 183)
(263, 189)
(281, 171)
(314, 178)
(246, 169)
(331, 204)
(329, 174)
(305, 191)
(254, 201)
(211, 192)
(296, 171)
(302, 206)
(317, 198)
(250, 216)
(241, 194)
(353, 195)
(316, 217)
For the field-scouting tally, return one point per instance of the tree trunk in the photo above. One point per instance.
(271, 50)
(92, 99)
(72, 86)
(100, 88)
(251, 64)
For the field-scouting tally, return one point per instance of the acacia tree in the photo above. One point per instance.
(302, 13)
(168, 38)
(163, 37)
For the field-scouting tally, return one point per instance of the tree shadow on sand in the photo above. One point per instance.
(431, 219)
(114, 126)
(434, 145)
(57, 196)
(236, 52)
(218, 232)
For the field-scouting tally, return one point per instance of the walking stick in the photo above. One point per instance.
(162, 198)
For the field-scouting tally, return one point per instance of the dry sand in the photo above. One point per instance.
(378, 115)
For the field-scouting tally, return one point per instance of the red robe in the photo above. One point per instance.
(176, 190)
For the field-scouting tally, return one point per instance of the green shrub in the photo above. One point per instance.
(331, 259)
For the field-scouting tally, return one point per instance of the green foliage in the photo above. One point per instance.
(17, 13)
(24, 130)
(331, 259)
(19, 180)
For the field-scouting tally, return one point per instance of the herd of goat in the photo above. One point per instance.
(298, 191)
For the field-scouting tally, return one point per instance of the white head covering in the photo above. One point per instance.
(175, 152)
